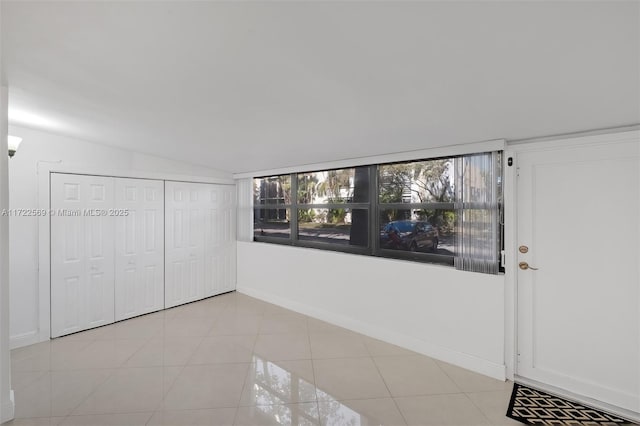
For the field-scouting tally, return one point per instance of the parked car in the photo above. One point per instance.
(409, 235)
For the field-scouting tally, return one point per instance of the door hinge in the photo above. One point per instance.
(503, 258)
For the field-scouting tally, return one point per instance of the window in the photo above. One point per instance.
(272, 204)
(331, 209)
(333, 206)
(442, 210)
(416, 210)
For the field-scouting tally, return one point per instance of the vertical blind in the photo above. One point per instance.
(478, 197)
(245, 209)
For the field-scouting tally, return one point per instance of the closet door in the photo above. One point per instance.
(185, 242)
(82, 253)
(220, 244)
(139, 239)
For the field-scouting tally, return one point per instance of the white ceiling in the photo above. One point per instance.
(243, 86)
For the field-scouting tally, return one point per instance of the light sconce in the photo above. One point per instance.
(13, 142)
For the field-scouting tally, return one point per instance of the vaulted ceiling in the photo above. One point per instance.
(243, 86)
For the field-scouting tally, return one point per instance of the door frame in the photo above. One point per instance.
(512, 150)
(44, 229)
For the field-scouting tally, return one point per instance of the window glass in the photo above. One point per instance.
(334, 186)
(272, 223)
(272, 190)
(418, 230)
(338, 226)
(417, 182)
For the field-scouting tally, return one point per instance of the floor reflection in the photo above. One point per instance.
(282, 395)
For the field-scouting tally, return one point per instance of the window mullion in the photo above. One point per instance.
(335, 206)
(426, 206)
(374, 215)
(294, 208)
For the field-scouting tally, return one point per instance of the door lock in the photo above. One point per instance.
(523, 249)
(524, 266)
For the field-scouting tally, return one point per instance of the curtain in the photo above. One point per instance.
(478, 202)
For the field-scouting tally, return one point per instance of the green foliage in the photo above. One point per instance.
(336, 215)
(306, 215)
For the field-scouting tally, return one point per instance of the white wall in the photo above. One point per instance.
(451, 315)
(40, 147)
(6, 394)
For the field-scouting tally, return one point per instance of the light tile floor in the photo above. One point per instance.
(233, 359)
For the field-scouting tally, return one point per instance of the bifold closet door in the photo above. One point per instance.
(184, 243)
(82, 253)
(220, 244)
(139, 249)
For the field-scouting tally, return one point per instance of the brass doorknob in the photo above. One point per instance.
(525, 265)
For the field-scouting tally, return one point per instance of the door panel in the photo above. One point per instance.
(578, 314)
(139, 205)
(200, 241)
(221, 239)
(82, 261)
(185, 244)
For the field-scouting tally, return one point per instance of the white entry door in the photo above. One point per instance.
(220, 244)
(82, 247)
(185, 242)
(139, 257)
(578, 221)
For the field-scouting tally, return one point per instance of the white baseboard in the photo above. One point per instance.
(8, 408)
(24, 339)
(469, 362)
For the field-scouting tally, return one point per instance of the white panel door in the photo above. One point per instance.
(220, 257)
(82, 253)
(184, 243)
(139, 256)
(578, 313)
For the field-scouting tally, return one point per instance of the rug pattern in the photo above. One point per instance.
(534, 407)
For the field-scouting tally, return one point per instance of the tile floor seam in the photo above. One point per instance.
(389, 390)
(89, 394)
(437, 362)
(369, 351)
(313, 372)
(188, 362)
(244, 385)
(108, 414)
(164, 396)
(235, 416)
(149, 419)
(105, 413)
(134, 353)
(479, 409)
(318, 412)
(344, 357)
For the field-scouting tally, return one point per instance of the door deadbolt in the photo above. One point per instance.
(523, 249)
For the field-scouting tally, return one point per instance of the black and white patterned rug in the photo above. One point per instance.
(534, 407)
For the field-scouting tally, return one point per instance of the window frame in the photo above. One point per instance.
(374, 208)
(294, 207)
(433, 258)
